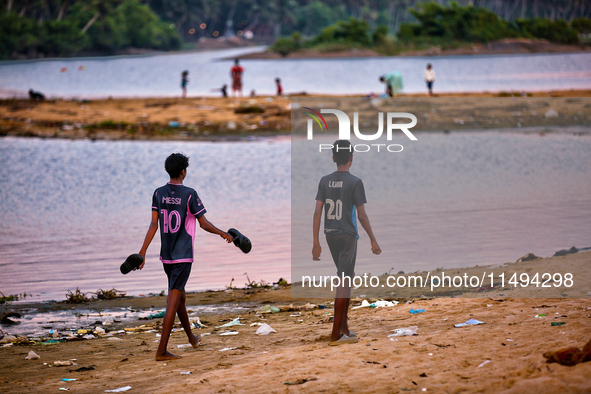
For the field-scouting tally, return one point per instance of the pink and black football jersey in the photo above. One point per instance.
(178, 208)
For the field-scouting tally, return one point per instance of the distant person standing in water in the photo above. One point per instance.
(279, 87)
(184, 82)
(236, 73)
(430, 78)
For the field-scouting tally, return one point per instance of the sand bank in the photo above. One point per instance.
(233, 118)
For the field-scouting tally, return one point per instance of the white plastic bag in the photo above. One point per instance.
(407, 331)
(264, 329)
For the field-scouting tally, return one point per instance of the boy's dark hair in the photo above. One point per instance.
(175, 164)
(342, 151)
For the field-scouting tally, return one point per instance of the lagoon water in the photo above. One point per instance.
(159, 75)
(455, 200)
(73, 210)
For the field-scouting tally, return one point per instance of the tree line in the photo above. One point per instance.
(32, 28)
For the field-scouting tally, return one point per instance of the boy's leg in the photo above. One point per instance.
(184, 318)
(172, 304)
(341, 306)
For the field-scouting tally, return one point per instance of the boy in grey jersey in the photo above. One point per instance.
(176, 208)
(343, 197)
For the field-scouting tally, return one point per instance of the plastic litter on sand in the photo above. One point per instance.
(235, 322)
(264, 329)
(32, 356)
(119, 390)
(469, 323)
(407, 331)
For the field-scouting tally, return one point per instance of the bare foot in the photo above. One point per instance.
(166, 356)
(196, 341)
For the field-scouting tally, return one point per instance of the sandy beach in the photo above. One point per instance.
(503, 355)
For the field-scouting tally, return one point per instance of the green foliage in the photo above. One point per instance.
(474, 24)
(455, 22)
(284, 45)
(380, 35)
(581, 25)
(315, 16)
(354, 31)
(555, 31)
(117, 25)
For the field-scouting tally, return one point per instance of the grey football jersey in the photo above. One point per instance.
(341, 192)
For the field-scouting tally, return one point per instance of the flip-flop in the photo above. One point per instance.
(240, 240)
(132, 263)
(343, 340)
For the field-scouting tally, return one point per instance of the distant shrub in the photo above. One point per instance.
(250, 109)
(555, 31)
(355, 31)
(379, 35)
(284, 45)
(475, 24)
(581, 25)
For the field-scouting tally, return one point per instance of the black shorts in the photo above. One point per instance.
(178, 275)
(429, 84)
(343, 248)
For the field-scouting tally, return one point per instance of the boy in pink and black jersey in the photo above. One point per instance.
(177, 209)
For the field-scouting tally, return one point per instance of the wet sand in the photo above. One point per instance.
(234, 119)
(504, 355)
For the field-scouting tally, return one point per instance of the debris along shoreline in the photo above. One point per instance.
(288, 346)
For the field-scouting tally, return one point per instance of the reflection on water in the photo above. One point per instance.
(160, 75)
(73, 210)
(455, 200)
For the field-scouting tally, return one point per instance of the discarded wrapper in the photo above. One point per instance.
(264, 329)
(230, 333)
(235, 322)
(32, 356)
(268, 309)
(407, 331)
(61, 363)
(469, 323)
(119, 390)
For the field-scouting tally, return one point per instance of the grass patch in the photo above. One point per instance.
(250, 109)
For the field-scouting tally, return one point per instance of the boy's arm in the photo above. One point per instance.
(210, 228)
(317, 249)
(149, 236)
(364, 220)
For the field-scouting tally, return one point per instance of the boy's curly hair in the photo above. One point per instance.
(175, 164)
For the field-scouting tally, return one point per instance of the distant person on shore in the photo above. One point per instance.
(37, 96)
(223, 90)
(342, 196)
(236, 73)
(177, 209)
(393, 81)
(430, 78)
(184, 82)
(279, 87)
